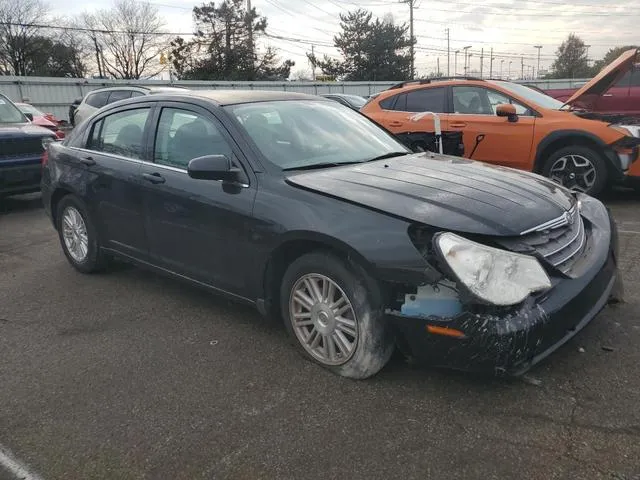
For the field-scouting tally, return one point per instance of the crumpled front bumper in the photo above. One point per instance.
(510, 343)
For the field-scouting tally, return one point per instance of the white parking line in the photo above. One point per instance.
(15, 467)
(629, 231)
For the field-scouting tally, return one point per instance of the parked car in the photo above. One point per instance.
(21, 148)
(97, 99)
(516, 126)
(614, 92)
(352, 101)
(72, 110)
(41, 119)
(308, 210)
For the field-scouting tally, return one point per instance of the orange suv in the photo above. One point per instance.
(516, 126)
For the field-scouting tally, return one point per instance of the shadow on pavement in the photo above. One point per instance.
(20, 203)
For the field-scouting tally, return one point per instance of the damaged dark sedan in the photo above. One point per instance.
(313, 213)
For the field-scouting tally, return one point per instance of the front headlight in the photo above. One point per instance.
(495, 276)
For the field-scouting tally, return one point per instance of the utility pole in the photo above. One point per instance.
(481, 60)
(411, 49)
(95, 43)
(491, 65)
(250, 28)
(313, 64)
(455, 62)
(448, 55)
(522, 66)
(538, 70)
(438, 59)
(501, 63)
(509, 72)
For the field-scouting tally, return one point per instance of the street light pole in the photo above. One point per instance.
(538, 70)
(455, 62)
(509, 72)
(465, 58)
(501, 62)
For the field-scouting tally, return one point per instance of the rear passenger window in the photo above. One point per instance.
(98, 99)
(387, 103)
(120, 133)
(425, 100)
(119, 95)
(183, 135)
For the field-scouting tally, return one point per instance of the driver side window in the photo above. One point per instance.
(496, 99)
(183, 135)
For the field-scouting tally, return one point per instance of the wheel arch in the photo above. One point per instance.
(564, 138)
(293, 246)
(57, 195)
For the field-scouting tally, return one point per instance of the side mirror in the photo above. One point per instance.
(29, 116)
(507, 110)
(214, 167)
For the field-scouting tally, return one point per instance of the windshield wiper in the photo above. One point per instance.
(388, 155)
(313, 166)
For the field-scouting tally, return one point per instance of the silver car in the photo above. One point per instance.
(97, 99)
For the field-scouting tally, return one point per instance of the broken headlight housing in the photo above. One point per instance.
(492, 275)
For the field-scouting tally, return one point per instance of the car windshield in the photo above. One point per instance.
(26, 108)
(307, 133)
(9, 113)
(533, 96)
(355, 100)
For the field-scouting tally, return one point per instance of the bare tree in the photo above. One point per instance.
(17, 33)
(128, 39)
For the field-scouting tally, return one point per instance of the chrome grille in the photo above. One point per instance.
(559, 241)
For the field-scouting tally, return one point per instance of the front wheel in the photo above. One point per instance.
(577, 168)
(333, 314)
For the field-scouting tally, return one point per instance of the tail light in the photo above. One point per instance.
(44, 160)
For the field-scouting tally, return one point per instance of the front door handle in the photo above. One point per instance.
(88, 161)
(395, 123)
(608, 95)
(457, 124)
(153, 178)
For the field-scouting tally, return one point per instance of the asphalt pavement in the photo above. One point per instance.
(128, 375)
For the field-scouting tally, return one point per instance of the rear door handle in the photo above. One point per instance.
(88, 161)
(457, 124)
(153, 178)
(395, 123)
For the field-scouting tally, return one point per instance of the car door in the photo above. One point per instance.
(113, 153)
(197, 228)
(399, 110)
(486, 136)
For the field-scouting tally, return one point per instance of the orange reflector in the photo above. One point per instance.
(447, 332)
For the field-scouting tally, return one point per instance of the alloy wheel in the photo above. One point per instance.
(574, 172)
(74, 233)
(323, 319)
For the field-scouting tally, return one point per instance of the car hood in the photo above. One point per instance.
(603, 81)
(449, 193)
(21, 130)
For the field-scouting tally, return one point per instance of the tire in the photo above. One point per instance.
(359, 344)
(578, 160)
(68, 210)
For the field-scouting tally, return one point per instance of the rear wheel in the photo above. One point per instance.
(333, 314)
(78, 235)
(578, 168)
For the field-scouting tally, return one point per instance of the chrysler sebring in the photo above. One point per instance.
(313, 213)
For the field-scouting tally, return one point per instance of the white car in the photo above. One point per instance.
(97, 99)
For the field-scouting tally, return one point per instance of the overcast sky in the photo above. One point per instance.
(511, 27)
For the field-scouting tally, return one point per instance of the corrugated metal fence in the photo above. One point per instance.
(56, 94)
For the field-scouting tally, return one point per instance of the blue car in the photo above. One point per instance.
(22, 145)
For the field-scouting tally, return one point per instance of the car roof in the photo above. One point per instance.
(233, 97)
